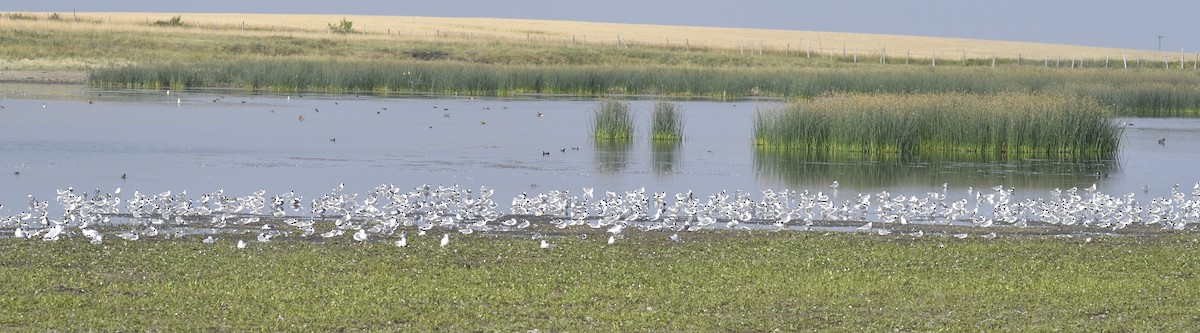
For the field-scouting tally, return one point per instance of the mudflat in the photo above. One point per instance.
(55, 77)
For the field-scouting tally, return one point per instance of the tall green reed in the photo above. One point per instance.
(666, 122)
(1134, 91)
(612, 121)
(1001, 124)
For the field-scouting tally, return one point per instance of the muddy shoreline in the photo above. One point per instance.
(43, 77)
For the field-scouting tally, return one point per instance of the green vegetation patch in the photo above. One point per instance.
(1148, 92)
(717, 281)
(612, 121)
(1003, 124)
(666, 122)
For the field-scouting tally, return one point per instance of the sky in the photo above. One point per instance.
(1105, 23)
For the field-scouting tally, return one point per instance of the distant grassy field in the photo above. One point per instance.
(723, 281)
(516, 34)
(505, 57)
(560, 32)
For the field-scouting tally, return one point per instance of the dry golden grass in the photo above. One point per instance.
(868, 46)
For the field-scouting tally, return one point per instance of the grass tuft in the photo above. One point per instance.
(666, 122)
(613, 121)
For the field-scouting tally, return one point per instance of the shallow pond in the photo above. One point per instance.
(200, 141)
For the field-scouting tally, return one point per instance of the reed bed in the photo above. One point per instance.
(1000, 124)
(666, 122)
(1137, 92)
(613, 121)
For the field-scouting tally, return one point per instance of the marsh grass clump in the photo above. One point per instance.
(21, 17)
(343, 27)
(1001, 124)
(666, 122)
(613, 121)
(175, 21)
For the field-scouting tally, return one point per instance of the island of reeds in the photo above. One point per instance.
(666, 122)
(612, 121)
(1000, 124)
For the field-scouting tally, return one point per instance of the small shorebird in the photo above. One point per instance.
(403, 242)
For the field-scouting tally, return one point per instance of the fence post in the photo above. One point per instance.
(993, 59)
(934, 58)
(883, 55)
(1125, 60)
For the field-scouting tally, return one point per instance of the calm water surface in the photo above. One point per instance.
(203, 141)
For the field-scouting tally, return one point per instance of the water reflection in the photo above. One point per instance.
(805, 170)
(612, 155)
(664, 157)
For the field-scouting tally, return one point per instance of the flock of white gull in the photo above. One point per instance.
(388, 213)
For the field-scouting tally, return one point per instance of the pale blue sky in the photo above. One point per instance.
(1127, 24)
